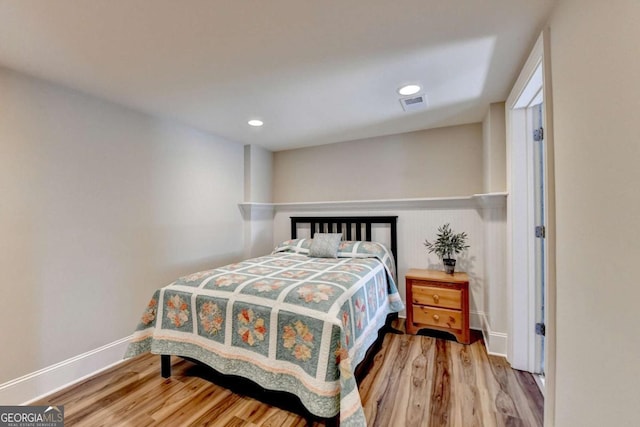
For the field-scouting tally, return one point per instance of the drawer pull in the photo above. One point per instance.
(436, 317)
(436, 298)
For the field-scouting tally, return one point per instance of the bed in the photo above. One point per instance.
(285, 321)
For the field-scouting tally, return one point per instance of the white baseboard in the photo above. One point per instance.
(33, 386)
(496, 342)
(475, 319)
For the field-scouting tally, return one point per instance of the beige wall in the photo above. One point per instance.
(494, 149)
(258, 174)
(99, 206)
(595, 60)
(258, 222)
(440, 162)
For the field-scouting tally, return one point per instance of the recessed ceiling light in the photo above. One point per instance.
(409, 89)
(255, 122)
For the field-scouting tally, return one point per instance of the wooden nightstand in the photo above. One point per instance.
(437, 300)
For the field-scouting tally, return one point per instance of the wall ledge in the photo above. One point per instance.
(491, 200)
(487, 200)
(250, 209)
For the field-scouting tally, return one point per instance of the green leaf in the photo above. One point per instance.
(447, 243)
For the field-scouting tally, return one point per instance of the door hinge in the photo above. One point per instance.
(541, 329)
(538, 134)
(541, 232)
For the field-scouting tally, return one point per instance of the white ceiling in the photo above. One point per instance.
(316, 71)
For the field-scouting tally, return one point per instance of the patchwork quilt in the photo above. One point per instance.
(286, 321)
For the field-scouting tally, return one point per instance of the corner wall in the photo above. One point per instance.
(258, 174)
(494, 149)
(494, 168)
(258, 221)
(100, 206)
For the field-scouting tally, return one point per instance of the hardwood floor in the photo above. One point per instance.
(414, 381)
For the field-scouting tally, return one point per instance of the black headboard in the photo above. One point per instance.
(335, 224)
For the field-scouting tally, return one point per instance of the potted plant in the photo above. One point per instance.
(446, 245)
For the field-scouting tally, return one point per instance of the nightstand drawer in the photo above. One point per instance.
(437, 317)
(440, 297)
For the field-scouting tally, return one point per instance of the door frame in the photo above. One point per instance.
(520, 227)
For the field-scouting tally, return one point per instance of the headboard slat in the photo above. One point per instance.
(326, 224)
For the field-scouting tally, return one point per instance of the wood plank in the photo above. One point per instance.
(441, 390)
(386, 397)
(366, 385)
(532, 395)
(421, 372)
(505, 404)
(467, 405)
(486, 401)
(255, 412)
(414, 381)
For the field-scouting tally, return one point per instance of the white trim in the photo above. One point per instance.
(531, 242)
(33, 386)
(527, 73)
(475, 319)
(550, 280)
(518, 248)
(540, 381)
(520, 240)
(532, 93)
(496, 343)
(472, 202)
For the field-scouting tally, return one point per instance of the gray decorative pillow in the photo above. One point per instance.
(325, 245)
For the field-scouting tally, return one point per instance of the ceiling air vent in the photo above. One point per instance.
(412, 103)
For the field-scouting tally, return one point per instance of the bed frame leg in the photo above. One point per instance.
(387, 328)
(165, 365)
